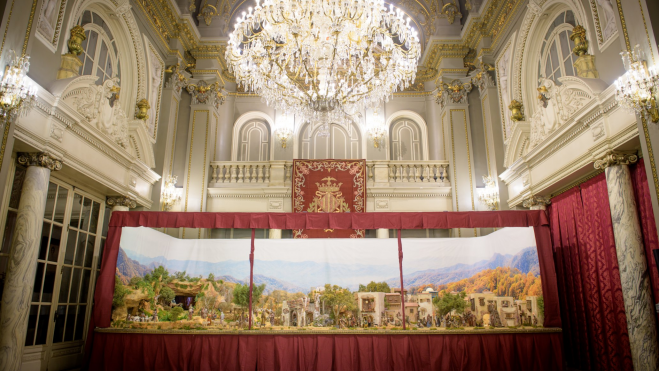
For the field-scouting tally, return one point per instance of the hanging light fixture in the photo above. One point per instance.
(490, 195)
(324, 60)
(636, 90)
(17, 92)
(170, 195)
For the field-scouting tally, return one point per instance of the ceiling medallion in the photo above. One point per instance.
(323, 60)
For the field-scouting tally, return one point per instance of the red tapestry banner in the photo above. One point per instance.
(329, 186)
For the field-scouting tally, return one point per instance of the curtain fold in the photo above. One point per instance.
(478, 352)
(591, 303)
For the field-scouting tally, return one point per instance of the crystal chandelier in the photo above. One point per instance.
(17, 92)
(324, 60)
(490, 196)
(170, 195)
(636, 89)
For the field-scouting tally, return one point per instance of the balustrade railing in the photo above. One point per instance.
(278, 173)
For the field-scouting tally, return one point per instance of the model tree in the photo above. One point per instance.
(375, 287)
(241, 294)
(339, 299)
(448, 302)
(166, 295)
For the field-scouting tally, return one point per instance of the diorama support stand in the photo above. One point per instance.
(402, 289)
(251, 276)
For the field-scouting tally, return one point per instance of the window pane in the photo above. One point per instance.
(70, 247)
(548, 69)
(569, 18)
(569, 71)
(50, 201)
(93, 223)
(9, 232)
(75, 211)
(60, 207)
(55, 238)
(86, 18)
(70, 322)
(84, 287)
(108, 67)
(17, 187)
(75, 286)
(43, 247)
(554, 55)
(91, 45)
(89, 65)
(64, 285)
(38, 280)
(100, 253)
(565, 45)
(49, 283)
(80, 251)
(60, 318)
(106, 221)
(100, 75)
(102, 58)
(86, 211)
(42, 328)
(80, 322)
(89, 255)
(31, 325)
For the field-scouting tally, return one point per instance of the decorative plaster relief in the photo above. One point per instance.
(555, 105)
(598, 131)
(156, 76)
(99, 105)
(50, 22)
(605, 23)
(382, 204)
(275, 205)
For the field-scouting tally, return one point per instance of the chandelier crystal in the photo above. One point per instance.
(636, 90)
(17, 92)
(324, 60)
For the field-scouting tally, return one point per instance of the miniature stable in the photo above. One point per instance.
(138, 318)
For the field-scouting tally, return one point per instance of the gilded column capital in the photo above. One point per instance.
(205, 93)
(41, 159)
(615, 158)
(454, 93)
(121, 201)
(535, 201)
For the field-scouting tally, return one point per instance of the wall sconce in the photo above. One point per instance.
(378, 132)
(170, 194)
(283, 134)
(636, 89)
(490, 195)
(17, 92)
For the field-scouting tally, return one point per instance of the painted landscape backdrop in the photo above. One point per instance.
(504, 262)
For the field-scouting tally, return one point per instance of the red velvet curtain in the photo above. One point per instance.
(648, 226)
(592, 309)
(344, 352)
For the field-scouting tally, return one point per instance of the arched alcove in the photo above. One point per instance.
(341, 143)
(252, 137)
(408, 136)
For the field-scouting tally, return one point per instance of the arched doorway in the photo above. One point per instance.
(341, 143)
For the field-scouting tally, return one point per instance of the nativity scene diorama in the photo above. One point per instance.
(484, 283)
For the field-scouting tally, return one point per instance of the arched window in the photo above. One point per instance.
(254, 141)
(405, 141)
(100, 54)
(556, 57)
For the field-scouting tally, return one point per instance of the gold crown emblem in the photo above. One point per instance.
(329, 187)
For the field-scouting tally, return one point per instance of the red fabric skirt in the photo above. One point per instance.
(345, 352)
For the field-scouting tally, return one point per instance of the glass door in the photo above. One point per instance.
(74, 288)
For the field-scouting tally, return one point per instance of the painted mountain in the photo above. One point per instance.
(139, 265)
(525, 261)
(291, 276)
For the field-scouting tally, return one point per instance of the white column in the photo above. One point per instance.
(23, 257)
(275, 234)
(120, 203)
(634, 275)
(382, 233)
